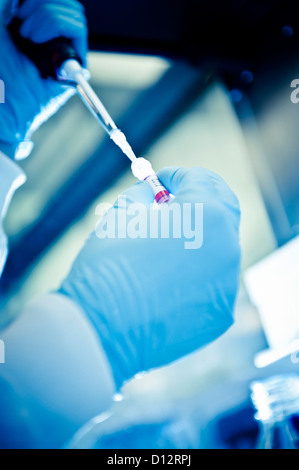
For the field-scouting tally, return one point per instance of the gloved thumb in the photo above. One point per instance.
(192, 183)
(199, 185)
(171, 177)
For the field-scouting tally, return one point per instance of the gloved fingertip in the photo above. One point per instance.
(171, 177)
(81, 47)
(24, 9)
(25, 29)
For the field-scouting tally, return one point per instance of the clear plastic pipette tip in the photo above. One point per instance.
(119, 139)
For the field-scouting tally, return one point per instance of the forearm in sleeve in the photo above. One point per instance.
(55, 362)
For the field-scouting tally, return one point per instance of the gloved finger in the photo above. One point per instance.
(43, 26)
(180, 179)
(198, 185)
(171, 177)
(139, 192)
(28, 7)
(80, 44)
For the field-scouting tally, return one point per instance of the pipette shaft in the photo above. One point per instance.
(72, 71)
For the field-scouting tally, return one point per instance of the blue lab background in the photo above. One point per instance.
(205, 86)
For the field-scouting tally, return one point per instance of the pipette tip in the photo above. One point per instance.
(119, 139)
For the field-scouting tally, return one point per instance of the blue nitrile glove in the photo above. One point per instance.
(29, 99)
(153, 300)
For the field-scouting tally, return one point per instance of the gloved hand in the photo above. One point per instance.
(29, 99)
(151, 299)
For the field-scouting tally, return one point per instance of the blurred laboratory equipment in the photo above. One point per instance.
(276, 400)
(272, 285)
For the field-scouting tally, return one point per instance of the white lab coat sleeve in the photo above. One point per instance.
(54, 356)
(11, 177)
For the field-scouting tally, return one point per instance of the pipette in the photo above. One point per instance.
(58, 60)
(73, 73)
